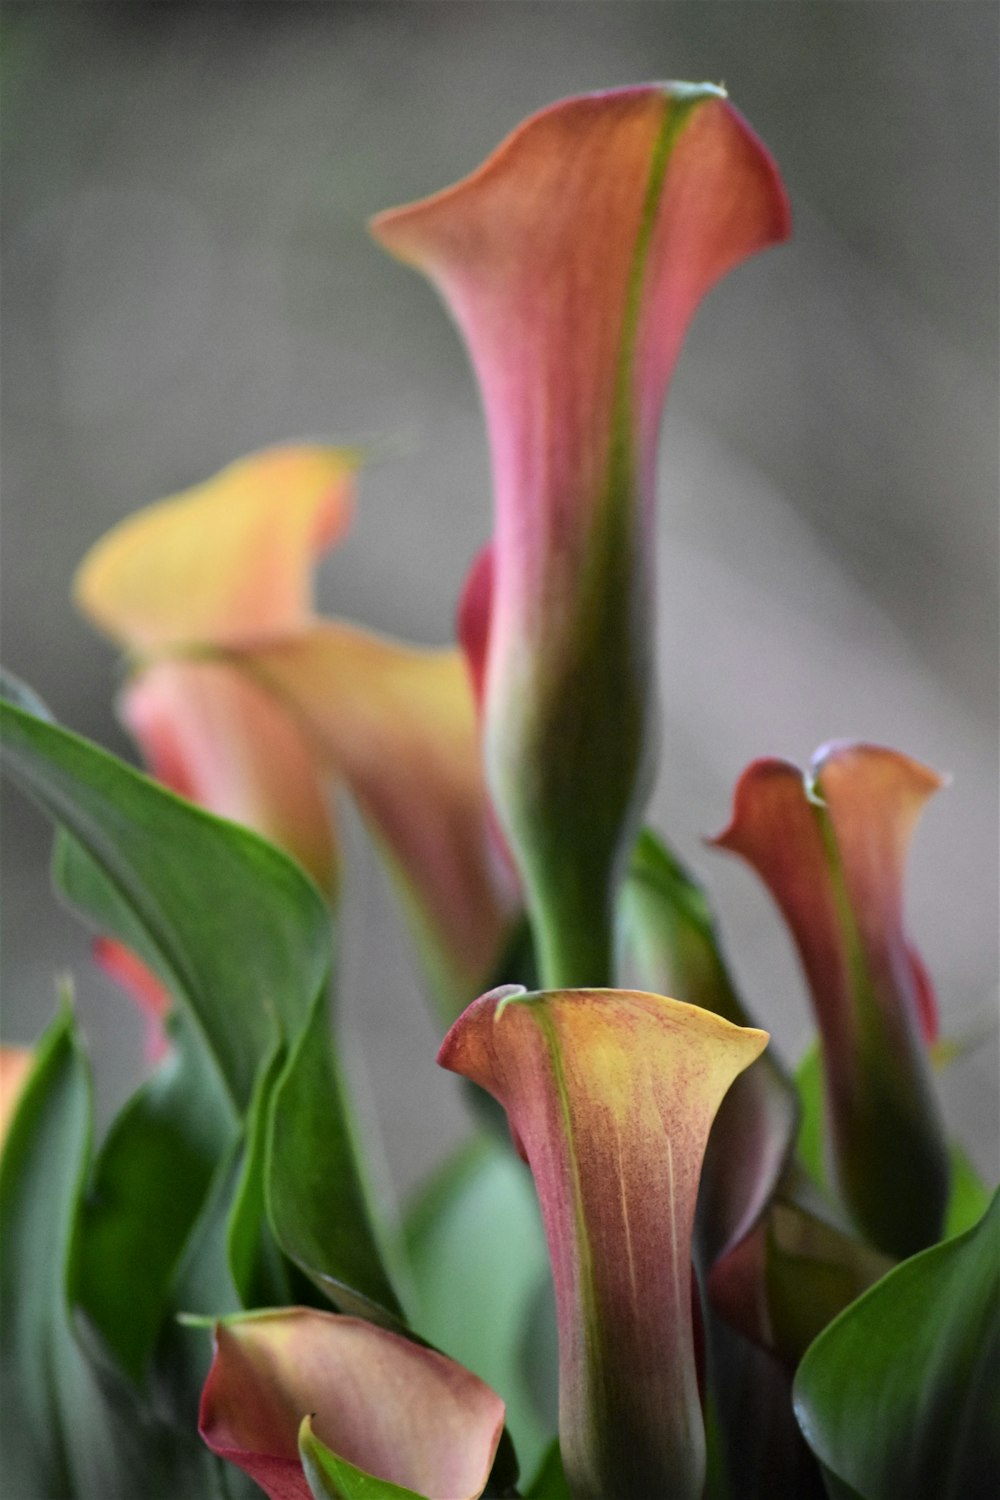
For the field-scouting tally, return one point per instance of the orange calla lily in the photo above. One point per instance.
(381, 1404)
(610, 1095)
(245, 701)
(831, 847)
(572, 261)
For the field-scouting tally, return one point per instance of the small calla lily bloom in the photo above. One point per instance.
(831, 847)
(246, 702)
(572, 261)
(610, 1095)
(378, 1402)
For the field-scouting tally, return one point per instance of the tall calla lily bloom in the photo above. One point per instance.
(610, 1095)
(831, 847)
(378, 1403)
(572, 261)
(246, 702)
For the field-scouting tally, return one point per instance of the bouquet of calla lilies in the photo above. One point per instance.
(667, 1266)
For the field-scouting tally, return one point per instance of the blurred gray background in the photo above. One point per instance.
(187, 277)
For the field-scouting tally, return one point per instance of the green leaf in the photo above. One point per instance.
(969, 1196)
(549, 1482)
(146, 1190)
(901, 1394)
(814, 1267)
(333, 1478)
(258, 1269)
(233, 927)
(477, 1254)
(71, 1427)
(241, 935)
(45, 1377)
(317, 1200)
(809, 1144)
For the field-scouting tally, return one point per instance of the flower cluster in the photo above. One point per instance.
(756, 1283)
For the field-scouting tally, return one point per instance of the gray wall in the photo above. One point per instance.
(187, 277)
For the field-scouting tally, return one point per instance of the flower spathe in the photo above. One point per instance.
(572, 261)
(380, 1403)
(831, 846)
(246, 702)
(610, 1095)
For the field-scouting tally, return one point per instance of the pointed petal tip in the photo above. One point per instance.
(757, 773)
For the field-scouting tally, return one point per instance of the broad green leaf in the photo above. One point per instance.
(146, 1190)
(316, 1197)
(333, 1478)
(901, 1394)
(236, 929)
(240, 934)
(477, 1255)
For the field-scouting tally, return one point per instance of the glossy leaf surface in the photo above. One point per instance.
(901, 1395)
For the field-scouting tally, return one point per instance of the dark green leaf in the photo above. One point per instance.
(316, 1197)
(550, 1481)
(258, 1269)
(901, 1394)
(232, 925)
(147, 1188)
(477, 1253)
(333, 1478)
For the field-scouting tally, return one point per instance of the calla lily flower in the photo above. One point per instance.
(610, 1096)
(246, 702)
(831, 847)
(572, 261)
(378, 1402)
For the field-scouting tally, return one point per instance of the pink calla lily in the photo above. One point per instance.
(831, 847)
(572, 261)
(246, 702)
(380, 1403)
(610, 1095)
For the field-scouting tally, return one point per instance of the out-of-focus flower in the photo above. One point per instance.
(15, 1068)
(831, 847)
(572, 261)
(246, 702)
(378, 1403)
(610, 1096)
